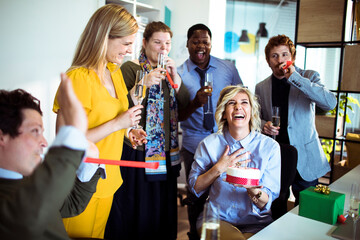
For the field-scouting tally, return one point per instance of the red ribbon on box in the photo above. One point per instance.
(242, 181)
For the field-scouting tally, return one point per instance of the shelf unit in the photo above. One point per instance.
(144, 11)
(325, 24)
(146, 8)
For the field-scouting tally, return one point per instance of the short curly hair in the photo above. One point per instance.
(11, 105)
(278, 41)
(196, 27)
(225, 96)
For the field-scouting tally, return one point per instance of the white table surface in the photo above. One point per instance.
(292, 226)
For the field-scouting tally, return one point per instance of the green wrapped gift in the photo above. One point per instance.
(321, 207)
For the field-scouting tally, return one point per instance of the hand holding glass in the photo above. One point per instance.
(275, 118)
(208, 83)
(161, 64)
(139, 88)
(211, 222)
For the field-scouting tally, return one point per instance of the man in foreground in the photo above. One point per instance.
(33, 196)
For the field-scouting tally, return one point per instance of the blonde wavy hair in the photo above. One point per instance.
(225, 96)
(108, 22)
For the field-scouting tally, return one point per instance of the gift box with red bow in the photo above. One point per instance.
(321, 204)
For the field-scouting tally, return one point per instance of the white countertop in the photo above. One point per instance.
(292, 226)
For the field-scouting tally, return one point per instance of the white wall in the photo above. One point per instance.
(38, 40)
(186, 13)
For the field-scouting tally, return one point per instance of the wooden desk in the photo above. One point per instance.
(292, 226)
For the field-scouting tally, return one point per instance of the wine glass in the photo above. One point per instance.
(275, 118)
(161, 64)
(208, 82)
(354, 205)
(211, 222)
(139, 88)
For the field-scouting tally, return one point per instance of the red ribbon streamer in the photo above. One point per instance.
(124, 163)
(171, 81)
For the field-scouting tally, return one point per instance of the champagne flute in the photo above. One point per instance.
(208, 82)
(139, 89)
(275, 118)
(161, 64)
(211, 222)
(354, 205)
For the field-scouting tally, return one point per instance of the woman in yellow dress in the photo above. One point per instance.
(99, 85)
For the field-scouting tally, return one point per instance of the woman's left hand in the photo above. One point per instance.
(171, 67)
(172, 70)
(137, 137)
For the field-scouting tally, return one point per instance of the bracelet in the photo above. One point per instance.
(129, 130)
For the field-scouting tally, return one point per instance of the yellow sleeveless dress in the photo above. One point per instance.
(100, 107)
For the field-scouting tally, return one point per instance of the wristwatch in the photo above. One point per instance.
(256, 197)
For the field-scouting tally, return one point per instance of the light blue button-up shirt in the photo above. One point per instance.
(235, 205)
(224, 74)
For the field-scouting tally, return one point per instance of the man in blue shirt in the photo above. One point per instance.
(198, 125)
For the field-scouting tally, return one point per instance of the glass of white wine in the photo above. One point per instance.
(211, 222)
(275, 118)
(161, 64)
(208, 82)
(139, 92)
(354, 205)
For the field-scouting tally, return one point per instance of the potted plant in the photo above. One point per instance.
(344, 100)
(327, 144)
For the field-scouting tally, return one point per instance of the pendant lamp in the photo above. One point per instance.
(244, 35)
(262, 32)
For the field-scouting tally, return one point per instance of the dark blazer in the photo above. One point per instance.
(33, 207)
(306, 91)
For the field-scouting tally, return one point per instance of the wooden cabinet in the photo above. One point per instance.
(320, 20)
(351, 74)
(325, 125)
(328, 24)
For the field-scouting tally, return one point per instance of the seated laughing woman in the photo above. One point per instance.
(247, 208)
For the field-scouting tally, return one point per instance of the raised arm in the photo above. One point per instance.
(200, 99)
(124, 120)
